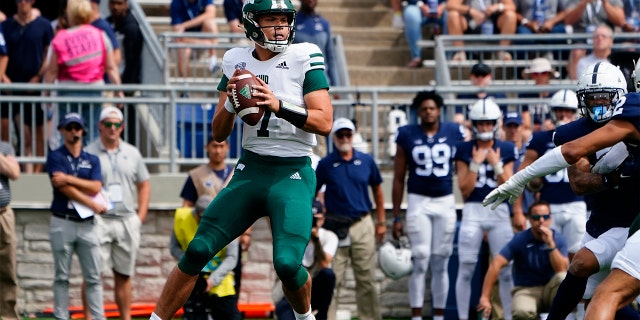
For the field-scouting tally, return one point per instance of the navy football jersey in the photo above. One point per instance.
(611, 208)
(556, 188)
(430, 159)
(486, 181)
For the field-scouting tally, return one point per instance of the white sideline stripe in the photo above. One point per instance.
(248, 111)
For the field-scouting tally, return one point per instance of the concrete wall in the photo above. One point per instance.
(31, 199)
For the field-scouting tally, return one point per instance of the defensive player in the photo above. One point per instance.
(622, 285)
(426, 150)
(482, 163)
(613, 204)
(569, 210)
(273, 176)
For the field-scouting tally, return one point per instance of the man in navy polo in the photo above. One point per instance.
(348, 174)
(76, 180)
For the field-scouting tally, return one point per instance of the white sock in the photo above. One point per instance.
(306, 316)
(437, 318)
(154, 316)
(420, 318)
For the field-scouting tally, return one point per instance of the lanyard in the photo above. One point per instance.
(113, 160)
(74, 164)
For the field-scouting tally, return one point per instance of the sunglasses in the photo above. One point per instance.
(341, 135)
(536, 217)
(110, 124)
(73, 126)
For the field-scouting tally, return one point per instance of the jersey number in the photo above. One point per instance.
(263, 132)
(432, 160)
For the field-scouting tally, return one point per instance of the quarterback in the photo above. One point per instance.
(273, 177)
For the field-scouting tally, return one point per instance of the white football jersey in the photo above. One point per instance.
(285, 74)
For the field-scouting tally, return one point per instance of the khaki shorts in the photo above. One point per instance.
(119, 241)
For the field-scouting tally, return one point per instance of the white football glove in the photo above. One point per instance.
(612, 159)
(509, 191)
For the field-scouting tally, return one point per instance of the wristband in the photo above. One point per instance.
(381, 223)
(551, 249)
(397, 219)
(474, 167)
(420, 4)
(498, 168)
(500, 7)
(524, 21)
(295, 114)
(229, 106)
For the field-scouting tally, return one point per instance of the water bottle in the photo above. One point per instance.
(487, 27)
(433, 7)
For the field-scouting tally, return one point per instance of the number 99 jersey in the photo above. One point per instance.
(430, 159)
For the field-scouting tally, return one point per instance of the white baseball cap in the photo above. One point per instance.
(111, 112)
(342, 123)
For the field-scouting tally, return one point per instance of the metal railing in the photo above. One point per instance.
(171, 131)
(523, 48)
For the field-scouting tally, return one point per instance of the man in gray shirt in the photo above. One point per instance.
(125, 177)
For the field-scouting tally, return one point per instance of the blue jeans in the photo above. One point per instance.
(413, 22)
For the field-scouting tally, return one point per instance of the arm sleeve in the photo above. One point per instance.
(230, 260)
(174, 247)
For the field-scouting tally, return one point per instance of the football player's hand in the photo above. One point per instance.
(508, 191)
(397, 230)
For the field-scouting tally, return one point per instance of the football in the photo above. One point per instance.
(244, 102)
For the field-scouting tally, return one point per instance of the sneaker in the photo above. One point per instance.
(415, 63)
(213, 64)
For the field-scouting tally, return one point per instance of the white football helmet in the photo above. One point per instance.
(394, 257)
(484, 109)
(563, 99)
(601, 81)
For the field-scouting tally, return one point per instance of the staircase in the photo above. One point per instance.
(376, 53)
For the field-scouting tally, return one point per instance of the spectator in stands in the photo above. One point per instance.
(28, 37)
(76, 180)
(539, 256)
(586, 16)
(317, 259)
(233, 13)
(417, 13)
(125, 24)
(10, 170)
(102, 24)
(481, 17)
(632, 14)
(126, 179)
(540, 17)
(81, 67)
(213, 296)
(194, 16)
(480, 77)
(541, 72)
(4, 60)
(314, 28)
(209, 179)
(348, 174)
(602, 45)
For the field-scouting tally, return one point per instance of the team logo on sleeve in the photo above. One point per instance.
(241, 66)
